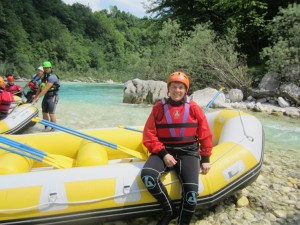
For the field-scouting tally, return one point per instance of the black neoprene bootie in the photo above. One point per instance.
(185, 219)
(165, 220)
(183, 223)
(167, 217)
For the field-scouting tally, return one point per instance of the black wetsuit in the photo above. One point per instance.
(187, 169)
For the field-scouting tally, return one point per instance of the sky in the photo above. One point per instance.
(134, 7)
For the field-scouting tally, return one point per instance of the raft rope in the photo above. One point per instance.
(237, 143)
(53, 202)
(246, 135)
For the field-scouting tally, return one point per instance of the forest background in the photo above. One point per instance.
(217, 42)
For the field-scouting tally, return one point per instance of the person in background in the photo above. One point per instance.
(13, 88)
(6, 98)
(34, 84)
(48, 88)
(172, 134)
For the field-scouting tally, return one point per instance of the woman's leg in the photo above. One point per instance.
(188, 168)
(150, 174)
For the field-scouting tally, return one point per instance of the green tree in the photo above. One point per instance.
(285, 39)
(207, 58)
(248, 17)
(15, 48)
(165, 53)
(213, 61)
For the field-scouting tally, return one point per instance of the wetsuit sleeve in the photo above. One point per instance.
(204, 133)
(150, 139)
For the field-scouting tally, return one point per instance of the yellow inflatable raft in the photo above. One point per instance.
(19, 117)
(104, 184)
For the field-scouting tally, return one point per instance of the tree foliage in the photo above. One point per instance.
(210, 40)
(248, 17)
(208, 59)
(72, 37)
(285, 40)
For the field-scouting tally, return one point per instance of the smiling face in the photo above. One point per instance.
(177, 90)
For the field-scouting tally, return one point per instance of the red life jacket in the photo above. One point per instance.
(32, 86)
(6, 98)
(34, 83)
(12, 88)
(177, 125)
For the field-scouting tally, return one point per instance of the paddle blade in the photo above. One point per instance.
(61, 161)
(136, 154)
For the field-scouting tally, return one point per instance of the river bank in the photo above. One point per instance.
(265, 108)
(273, 199)
(260, 106)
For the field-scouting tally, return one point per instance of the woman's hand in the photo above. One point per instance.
(169, 160)
(205, 167)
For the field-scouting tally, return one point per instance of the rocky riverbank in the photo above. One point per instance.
(273, 199)
(138, 91)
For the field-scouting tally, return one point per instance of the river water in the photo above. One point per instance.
(94, 105)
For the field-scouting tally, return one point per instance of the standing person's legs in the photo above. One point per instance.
(48, 108)
(52, 103)
(150, 174)
(45, 109)
(188, 168)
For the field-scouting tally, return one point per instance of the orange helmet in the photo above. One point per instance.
(2, 83)
(10, 78)
(179, 77)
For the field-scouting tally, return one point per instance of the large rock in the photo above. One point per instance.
(285, 85)
(235, 95)
(270, 81)
(291, 74)
(204, 96)
(283, 103)
(138, 91)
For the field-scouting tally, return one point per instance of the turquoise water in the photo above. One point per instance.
(93, 105)
(92, 93)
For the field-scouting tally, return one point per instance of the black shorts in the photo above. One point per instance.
(49, 104)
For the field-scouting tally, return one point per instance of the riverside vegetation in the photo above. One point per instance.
(214, 45)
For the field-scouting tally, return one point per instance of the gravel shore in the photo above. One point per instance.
(273, 199)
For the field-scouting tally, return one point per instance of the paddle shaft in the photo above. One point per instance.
(24, 147)
(21, 153)
(91, 138)
(213, 99)
(77, 133)
(28, 151)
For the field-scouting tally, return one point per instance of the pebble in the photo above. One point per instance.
(242, 202)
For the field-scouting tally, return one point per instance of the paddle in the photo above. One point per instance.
(131, 128)
(91, 138)
(213, 99)
(58, 161)
(18, 152)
